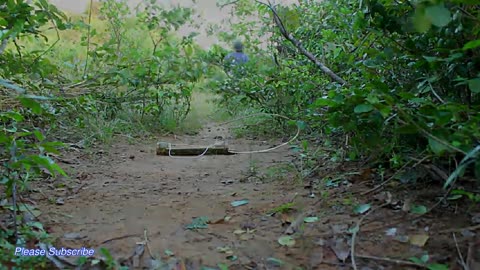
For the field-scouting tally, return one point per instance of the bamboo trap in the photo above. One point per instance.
(166, 149)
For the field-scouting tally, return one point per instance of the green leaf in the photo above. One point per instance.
(310, 219)
(301, 125)
(472, 44)
(363, 108)
(477, 168)
(467, 160)
(439, 15)
(275, 261)
(418, 209)
(474, 85)
(286, 241)
(421, 22)
(239, 203)
(436, 266)
(198, 223)
(425, 258)
(361, 209)
(454, 197)
(416, 260)
(323, 102)
(48, 163)
(431, 59)
(222, 266)
(31, 104)
(354, 229)
(437, 147)
(38, 135)
(13, 115)
(51, 147)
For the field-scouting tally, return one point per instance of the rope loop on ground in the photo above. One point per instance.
(244, 152)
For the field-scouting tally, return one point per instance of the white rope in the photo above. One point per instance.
(243, 152)
(183, 157)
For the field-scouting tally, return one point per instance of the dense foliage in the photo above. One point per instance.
(95, 74)
(412, 72)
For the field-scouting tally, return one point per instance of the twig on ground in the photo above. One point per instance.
(146, 243)
(461, 261)
(471, 228)
(120, 238)
(390, 260)
(355, 233)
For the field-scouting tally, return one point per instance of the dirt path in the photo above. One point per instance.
(119, 192)
(128, 189)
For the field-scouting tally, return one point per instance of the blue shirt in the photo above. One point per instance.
(236, 58)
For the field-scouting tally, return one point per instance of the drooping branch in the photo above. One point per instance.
(300, 47)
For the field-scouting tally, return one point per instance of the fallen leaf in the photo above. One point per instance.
(418, 239)
(354, 229)
(222, 266)
(418, 209)
(361, 209)
(226, 250)
(310, 219)
(239, 203)
(391, 232)
(274, 262)
(316, 258)
(341, 249)
(286, 219)
(245, 237)
(169, 253)
(60, 201)
(198, 223)
(239, 231)
(232, 258)
(407, 205)
(286, 241)
(73, 236)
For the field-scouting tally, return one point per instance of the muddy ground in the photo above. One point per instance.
(120, 193)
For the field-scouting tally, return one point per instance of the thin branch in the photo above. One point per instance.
(54, 43)
(299, 45)
(18, 48)
(357, 229)
(88, 37)
(389, 260)
(428, 134)
(460, 256)
(228, 4)
(435, 93)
